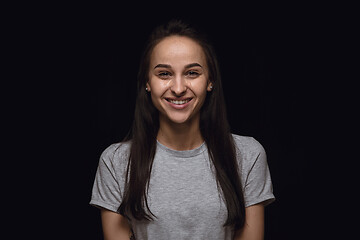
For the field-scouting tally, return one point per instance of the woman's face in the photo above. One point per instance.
(178, 79)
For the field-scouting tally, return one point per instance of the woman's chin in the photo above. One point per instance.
(178, 118)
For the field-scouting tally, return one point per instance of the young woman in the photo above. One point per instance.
(181, 174)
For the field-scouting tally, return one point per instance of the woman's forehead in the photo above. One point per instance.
(177, 50)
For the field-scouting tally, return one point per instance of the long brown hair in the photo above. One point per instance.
(214, 128)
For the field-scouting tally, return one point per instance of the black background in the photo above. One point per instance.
(78, 70)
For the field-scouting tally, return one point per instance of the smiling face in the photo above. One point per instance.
(178, 79)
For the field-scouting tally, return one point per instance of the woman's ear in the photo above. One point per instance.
(147, 87)
(209, 87)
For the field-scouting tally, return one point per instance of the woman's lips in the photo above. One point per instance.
(178, 103)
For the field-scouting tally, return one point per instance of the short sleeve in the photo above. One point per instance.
(257, 186)
(106, 192)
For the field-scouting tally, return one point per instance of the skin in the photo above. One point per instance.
(254, 224)
(178, 71)
(115, 226)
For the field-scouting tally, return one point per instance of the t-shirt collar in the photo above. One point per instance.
(182, 154)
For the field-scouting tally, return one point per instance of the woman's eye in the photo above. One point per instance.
(164, 74)
(192, 73)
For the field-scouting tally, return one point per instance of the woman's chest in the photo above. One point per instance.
(185, 193)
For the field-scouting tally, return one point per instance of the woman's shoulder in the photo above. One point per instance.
(116, 153)
(249, 152)
(247, 144)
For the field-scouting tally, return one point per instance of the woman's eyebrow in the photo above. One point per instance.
(169, 66)
(193, 65)
(162, 66)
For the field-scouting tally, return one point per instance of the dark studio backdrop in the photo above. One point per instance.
(269, 59)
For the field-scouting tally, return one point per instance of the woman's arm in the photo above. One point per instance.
(254, 224)
(115, 226)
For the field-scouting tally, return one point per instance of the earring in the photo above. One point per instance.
(211, 87)
(146, 89)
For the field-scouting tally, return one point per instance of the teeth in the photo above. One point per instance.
(179, 102)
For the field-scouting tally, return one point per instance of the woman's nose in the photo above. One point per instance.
(178, 87)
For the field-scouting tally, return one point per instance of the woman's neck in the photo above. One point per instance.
(181, 137)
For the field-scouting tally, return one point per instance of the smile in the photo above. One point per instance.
(179, 102)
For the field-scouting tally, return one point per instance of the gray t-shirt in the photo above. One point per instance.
(183, 193)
